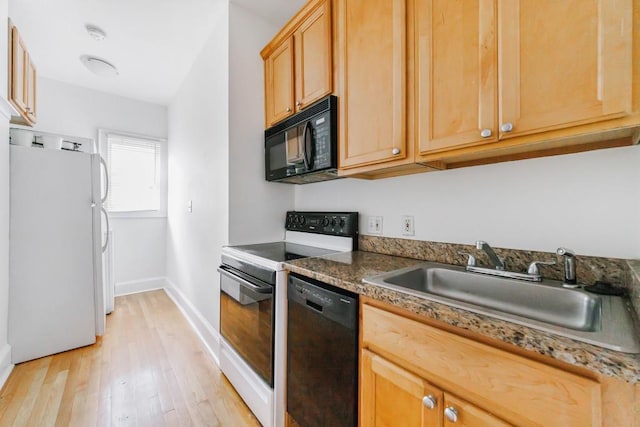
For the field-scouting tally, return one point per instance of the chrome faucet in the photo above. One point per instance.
(570, 280)
(498, 269)
(497, 262)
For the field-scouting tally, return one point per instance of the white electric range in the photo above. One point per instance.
(253, 305)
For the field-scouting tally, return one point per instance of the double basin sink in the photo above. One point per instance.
(601, 320)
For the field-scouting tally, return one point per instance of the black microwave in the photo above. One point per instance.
(304, 148)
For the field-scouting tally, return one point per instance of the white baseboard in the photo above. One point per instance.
(209, 336)
(143, 285)
(5, 364)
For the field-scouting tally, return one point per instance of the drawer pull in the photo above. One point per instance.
(451, 413)
(429, 401)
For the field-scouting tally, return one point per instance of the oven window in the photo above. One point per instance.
(246, 322)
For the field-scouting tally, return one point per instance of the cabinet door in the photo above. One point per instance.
(456, 70)
(563, 63)
(19, 64)
(467, 415)
(312, 43)
(30, 85)
(371, 46)
(391, 396)
(279, 83)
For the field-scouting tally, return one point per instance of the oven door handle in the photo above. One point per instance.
(247, 284)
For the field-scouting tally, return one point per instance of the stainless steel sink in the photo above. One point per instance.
(597, 319)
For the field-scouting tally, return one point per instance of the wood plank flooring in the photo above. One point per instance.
(149, 369)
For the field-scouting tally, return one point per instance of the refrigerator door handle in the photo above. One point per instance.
(106, 180)
(106, 241)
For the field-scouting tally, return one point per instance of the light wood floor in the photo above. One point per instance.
(149, 369)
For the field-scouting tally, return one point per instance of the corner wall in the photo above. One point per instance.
(589, 202)
(198, 171)
(256, 207)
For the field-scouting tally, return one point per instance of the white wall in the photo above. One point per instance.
(198, 171)
(5, 354)
(257, 207)
(77, 111)
(589, 202)
(4, 43)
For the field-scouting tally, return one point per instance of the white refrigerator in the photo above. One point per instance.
(56, 296)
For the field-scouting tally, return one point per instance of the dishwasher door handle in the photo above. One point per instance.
(314, 306)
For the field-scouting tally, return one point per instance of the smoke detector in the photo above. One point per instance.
(99, 66)
(96, 33)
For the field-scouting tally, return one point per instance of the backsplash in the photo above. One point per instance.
(633, 283)
(589, 269)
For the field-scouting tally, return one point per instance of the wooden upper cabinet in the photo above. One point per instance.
(488, 70)
(313, 52)
(456, 78)
(298, 65)
(279, 83)
(22, 80)
(371, 70)
(563, 63)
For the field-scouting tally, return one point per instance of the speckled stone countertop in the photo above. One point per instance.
(346, 270)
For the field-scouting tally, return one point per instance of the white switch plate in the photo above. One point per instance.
(190, 206)
(374, 225)
(407, 225)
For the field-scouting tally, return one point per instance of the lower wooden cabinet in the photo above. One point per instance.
(393, 396)
(413, 374)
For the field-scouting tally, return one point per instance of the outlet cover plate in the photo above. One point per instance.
(374, 225)
(407, 225)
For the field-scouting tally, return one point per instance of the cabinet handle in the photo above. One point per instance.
(506, 127)
(451, 413)
(395, 151)
(298, 103)
(485, 133)
(288, 109)
(429, 401)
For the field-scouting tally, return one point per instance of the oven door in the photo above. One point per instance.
(247, 319)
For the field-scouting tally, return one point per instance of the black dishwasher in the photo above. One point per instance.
(322, 354)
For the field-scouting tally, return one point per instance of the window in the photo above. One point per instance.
(136, 173)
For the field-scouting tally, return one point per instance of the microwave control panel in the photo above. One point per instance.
(322, 136)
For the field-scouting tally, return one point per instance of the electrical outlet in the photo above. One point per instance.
(407, 225)
(374, 225)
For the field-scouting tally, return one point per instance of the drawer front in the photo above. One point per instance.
(517, 389)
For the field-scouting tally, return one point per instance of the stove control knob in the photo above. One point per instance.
(302, 220)
(342, 222)
(333, 222)
(325, 221)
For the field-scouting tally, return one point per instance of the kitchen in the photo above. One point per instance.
(580, 201)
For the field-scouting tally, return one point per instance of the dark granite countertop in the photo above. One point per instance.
(346, 270)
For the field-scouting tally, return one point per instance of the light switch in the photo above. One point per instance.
(190, 206)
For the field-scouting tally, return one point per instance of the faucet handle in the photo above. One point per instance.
(565, 251)
(533, 267)
(471, 261)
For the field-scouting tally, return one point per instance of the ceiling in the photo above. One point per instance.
(153, 43)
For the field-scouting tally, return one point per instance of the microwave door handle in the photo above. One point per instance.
(307, 135)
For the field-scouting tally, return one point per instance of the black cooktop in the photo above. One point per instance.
(282, 251)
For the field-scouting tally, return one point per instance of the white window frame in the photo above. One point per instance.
(103, 135)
